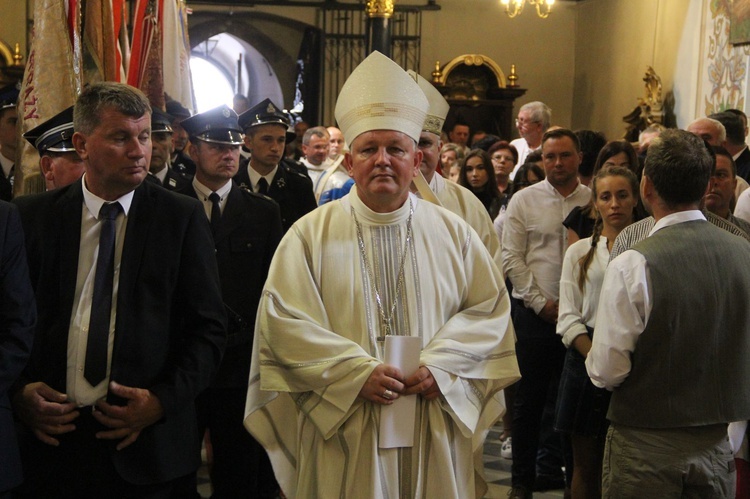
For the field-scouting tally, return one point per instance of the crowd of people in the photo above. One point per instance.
(346, 310)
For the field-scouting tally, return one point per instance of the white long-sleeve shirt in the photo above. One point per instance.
(534, 241)
(578, 308)
(624, 308)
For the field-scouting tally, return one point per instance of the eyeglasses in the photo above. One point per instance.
(500, 157)
(524, 122)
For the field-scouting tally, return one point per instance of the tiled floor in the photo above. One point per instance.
(496, 469)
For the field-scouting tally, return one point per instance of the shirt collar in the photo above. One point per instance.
(677, 218)
(204, 191)
(94, 203)
(255, 176)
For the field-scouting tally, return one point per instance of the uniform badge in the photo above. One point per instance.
(270, 109)
(281, 183)
(226, 112)
(172, 182)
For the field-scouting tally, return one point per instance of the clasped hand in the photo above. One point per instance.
(49, 413)
(386, 383)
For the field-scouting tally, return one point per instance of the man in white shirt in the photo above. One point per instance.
(131, 324)
(534, 242)
(315, 147)
(669, 340)
(533, 120)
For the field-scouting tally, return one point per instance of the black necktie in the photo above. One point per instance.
(215, 212)
(101, 303)
(262, 186)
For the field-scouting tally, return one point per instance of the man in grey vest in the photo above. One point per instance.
(672, 340)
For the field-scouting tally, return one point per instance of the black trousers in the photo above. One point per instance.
(79, 468)
(540, 354)
(241, 467)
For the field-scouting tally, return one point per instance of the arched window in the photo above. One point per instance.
(211, 85)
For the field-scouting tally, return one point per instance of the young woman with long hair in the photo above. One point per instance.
(581, 407)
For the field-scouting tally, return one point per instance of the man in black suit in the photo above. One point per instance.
(17, 318)
(131, 323)
(159, 171)
(8, 120)
(247, 229)
(266, 136)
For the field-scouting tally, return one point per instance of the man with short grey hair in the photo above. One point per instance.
(315, 144)
(668, 433)
(533, 120)
(710, 130)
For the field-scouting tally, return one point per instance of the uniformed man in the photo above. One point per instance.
(266, 135)
(8, 119)
(247, 229)
(181, 162)
(58, 160)
(161, 153)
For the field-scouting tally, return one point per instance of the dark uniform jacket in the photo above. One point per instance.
(292, 190)
(183, 164)
(247, 237)
(173, 181)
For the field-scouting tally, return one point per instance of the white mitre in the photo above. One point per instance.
(379, 95)
(439, 107)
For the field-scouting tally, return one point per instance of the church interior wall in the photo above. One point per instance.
(586, 60)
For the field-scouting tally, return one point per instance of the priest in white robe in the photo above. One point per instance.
(379, 262)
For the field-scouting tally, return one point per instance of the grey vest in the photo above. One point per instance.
(691, 364)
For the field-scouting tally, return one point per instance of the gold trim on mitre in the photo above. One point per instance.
(433, 124)
(438, 106)
(403, 112)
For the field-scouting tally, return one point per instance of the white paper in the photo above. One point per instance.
(397, 420)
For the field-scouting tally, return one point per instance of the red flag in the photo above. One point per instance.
(146, 61)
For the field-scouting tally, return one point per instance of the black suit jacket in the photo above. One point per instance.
(743, 164)
(17, 317)
(292, 190)
(6, 187)
(170, 329)
(249, 232)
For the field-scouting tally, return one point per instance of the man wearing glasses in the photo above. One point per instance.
(533, 120)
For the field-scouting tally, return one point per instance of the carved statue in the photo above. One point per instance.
(650, 110)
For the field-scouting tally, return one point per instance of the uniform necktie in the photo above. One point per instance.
(262, 186)
(215, 212)
(101, 304)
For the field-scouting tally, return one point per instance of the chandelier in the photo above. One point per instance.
(515, 7)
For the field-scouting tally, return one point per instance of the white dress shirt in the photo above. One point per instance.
(77, 387)
(203, 192)
(534, 241)
(578, 308)
(255, 177)
(523, 150)
(624, 308)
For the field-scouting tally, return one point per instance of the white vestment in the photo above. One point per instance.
(317, 342)
(466, 204)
